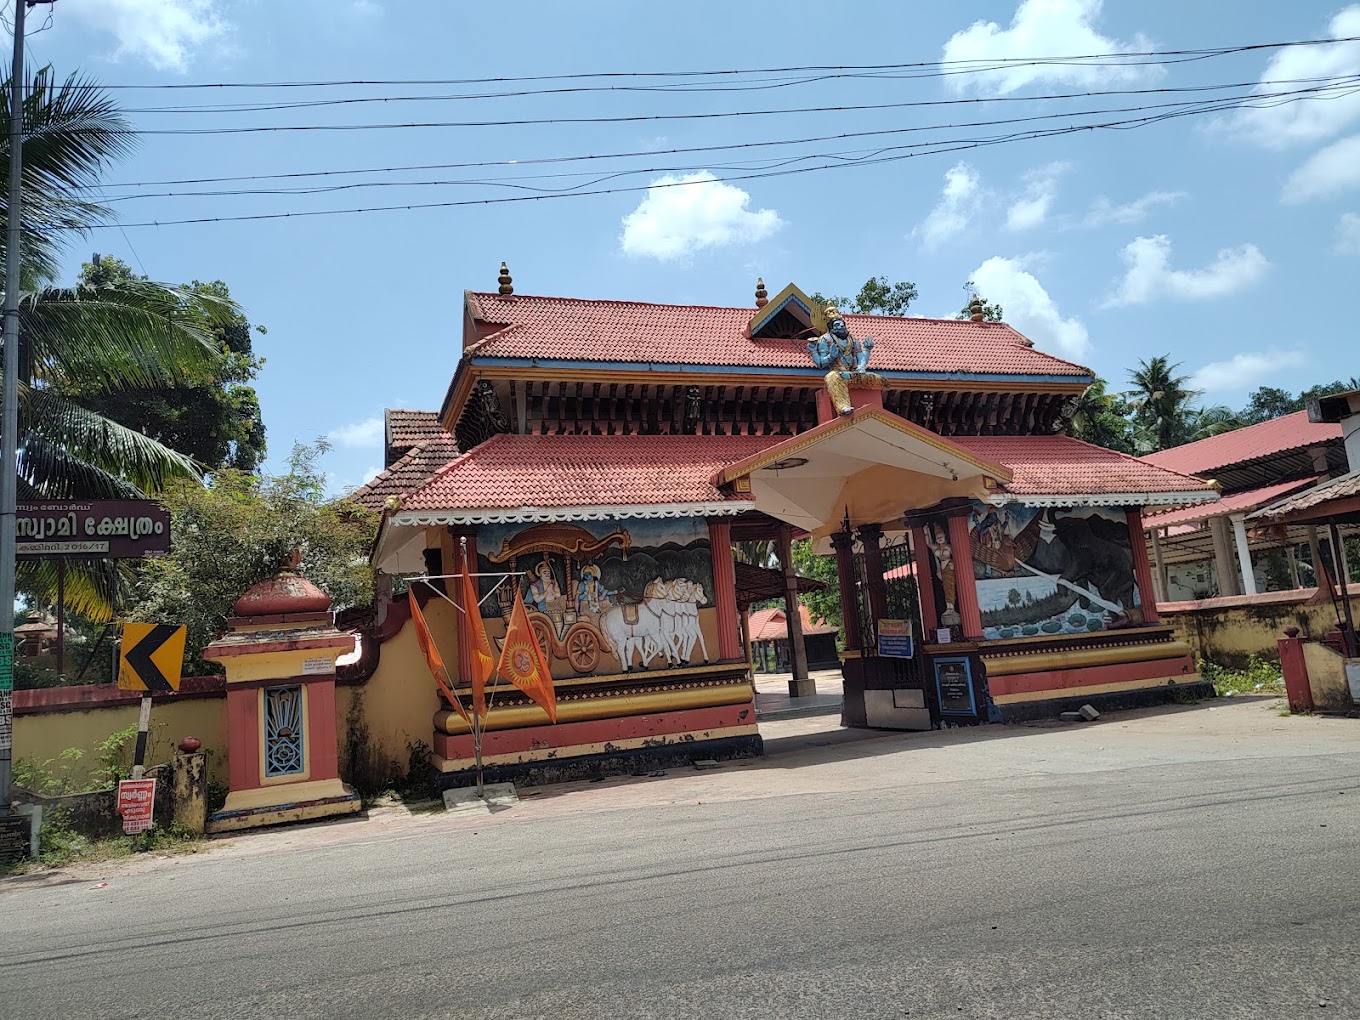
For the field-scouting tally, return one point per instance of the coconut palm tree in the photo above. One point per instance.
(1164, 409)
(80, 341)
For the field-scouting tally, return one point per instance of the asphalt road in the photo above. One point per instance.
(1205, 866)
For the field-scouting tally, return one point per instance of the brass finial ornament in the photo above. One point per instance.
(975, 310)
(762, 296)
(507, 284)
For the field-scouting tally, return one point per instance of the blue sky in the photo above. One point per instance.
(1230, 241)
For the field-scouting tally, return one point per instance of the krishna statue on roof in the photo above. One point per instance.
(846, 359)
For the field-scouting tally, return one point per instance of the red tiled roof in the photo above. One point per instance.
(407, 473)
(1280, 435)
(635, 332)
(513, 471)
(407, 428)
(1063, 466)
(1248, 499)
(773, 625)
(1343, 487)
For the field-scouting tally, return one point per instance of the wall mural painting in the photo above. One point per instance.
(1052, 571)
(604, 596)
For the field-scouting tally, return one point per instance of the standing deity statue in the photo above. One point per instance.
(845, 358)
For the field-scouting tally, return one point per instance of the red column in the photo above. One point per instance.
(1296, 686)
(455, 589)
(844, 544)
(925, 584)
(243, 737)
(1142, 566)
(322, 755)
(965, 583)
(725, 591)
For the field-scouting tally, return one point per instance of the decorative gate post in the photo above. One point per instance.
(280, 655)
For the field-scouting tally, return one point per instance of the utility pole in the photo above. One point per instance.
(9, 409)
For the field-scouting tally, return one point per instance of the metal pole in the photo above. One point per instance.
(9, 405)
(61, 618)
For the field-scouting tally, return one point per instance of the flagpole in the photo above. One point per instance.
(476, 718)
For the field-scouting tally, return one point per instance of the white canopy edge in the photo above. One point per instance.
(1186, 498)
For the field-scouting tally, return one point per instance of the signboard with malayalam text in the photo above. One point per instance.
(894, 639)
(136, 802)
(108, 529)
(954, 686)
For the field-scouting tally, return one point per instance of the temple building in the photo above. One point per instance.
(602, 457)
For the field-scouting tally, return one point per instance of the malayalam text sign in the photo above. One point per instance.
(108, 529)
(894, 639)
(136, 800)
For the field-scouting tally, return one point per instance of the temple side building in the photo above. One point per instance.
(604, 456)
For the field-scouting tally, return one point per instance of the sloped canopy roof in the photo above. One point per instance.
(1266, 439)
(1238, 502)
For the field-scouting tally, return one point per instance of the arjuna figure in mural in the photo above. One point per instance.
(845, 357)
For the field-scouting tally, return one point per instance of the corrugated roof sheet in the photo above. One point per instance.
(1061, 465)
(566, 471)
(1280, 435)
(1237, 502)
(636, 332)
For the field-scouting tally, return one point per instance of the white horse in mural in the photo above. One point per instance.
(665, 622)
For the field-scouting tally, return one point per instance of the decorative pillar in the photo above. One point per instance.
(925, 584)
(282, 752)
(1161, 584)
(1142, 567)
(1239, 525)
(870, 536)
(844, 544)
(724, 590)
(800, 686)
(965, 583)
(1223, 563)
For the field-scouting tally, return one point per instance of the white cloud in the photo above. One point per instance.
(1243, 370)
(1028, 307)
(1104, 212)
(371, 472)
(1041, 187)
(685, 214)
(951, 214)
(1347, 235)
(164, 33)
(368, 432)
(1290, 123)
(365, 9)
(1327, 172)
(1043, 28)
(1149, 275)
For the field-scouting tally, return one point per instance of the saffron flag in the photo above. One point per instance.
(483, 662)
(522, 661)
(433, 659)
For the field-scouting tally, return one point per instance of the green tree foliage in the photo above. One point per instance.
(876, 297)
(824, 604)
(240, 529)
(215, 416)
(1102, 418)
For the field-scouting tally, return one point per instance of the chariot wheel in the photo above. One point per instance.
(543, 633)
(583, 648)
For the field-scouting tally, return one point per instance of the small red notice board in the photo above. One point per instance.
(136, 797)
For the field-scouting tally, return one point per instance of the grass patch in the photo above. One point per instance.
(1260, 677)
(59, 846)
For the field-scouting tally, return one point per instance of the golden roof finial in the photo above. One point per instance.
(975, 309)
(762, 295)
(507, 284)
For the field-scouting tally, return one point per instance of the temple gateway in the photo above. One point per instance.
(605, 457)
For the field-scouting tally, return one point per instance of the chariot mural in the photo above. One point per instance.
(603, 598)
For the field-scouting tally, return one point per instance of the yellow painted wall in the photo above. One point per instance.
(1327, 678)
(1230, 635)
(42, 737)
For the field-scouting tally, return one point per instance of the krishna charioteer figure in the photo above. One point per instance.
(846, 359)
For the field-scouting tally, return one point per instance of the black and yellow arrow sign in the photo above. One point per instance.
(150, 657)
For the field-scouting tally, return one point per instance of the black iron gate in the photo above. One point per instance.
(901, 601)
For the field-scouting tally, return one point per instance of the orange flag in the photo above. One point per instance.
(433, 659)
(522, 661)
(483, 662)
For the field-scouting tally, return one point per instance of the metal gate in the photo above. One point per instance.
(901, 602)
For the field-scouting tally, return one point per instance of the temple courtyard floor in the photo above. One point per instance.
(1194, 861)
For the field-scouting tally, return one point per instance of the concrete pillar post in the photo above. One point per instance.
(1142, 568)
(800, 686)
(189, 792)
(1160, 582)
(844, 544)
(724, 590)
(925, 585)
(965, 583)
(1315, 555)
(1239, 525)
(1224, 566)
